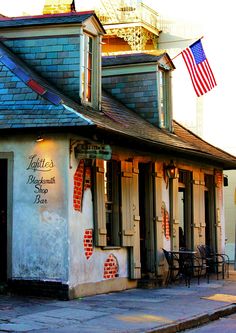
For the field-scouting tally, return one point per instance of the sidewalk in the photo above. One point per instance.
(163, 310)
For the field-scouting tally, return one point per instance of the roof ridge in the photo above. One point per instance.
(16, 18)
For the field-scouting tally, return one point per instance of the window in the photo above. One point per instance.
(164, 107)
(113, 203)
(87, 69)
(112, 186)
(185, 209)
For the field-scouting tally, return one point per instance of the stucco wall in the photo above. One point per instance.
(89, 266)
(230, 214)
(39, 220)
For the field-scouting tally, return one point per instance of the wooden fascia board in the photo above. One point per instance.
(166, 62)
(97, 24)
(129, 69)
(90, 25)
(41, 31)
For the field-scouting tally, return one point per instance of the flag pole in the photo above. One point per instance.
(181, 51)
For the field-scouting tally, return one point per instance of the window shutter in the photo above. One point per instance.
(198, 201)
(175, 213)
(175, 206)
(135, 264)
(99, 205)
(196, 198)
(127, 204)
(202, 199)
(158, 178)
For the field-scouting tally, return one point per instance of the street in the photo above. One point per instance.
(226, 325)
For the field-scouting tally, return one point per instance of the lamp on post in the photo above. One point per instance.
(39, 138)
(171, 170)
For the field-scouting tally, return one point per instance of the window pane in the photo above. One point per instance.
(163, 99)
(112, 201)
(86, 75)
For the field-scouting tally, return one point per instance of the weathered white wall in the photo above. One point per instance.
(39, 225)
(166, 200)
(83, 270)
(230, 214)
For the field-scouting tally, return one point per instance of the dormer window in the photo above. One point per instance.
(87, 69)
(164, 113)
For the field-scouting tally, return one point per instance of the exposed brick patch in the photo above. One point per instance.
(87, 178)
(78, 186)
(88, 243)
(165, 221)
(82, 182)
(111, 267)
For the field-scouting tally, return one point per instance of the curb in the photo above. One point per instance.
(195, 321)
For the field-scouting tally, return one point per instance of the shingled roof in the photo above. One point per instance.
(137, 59)
(28, 101)
(125, 59)
(59, 19)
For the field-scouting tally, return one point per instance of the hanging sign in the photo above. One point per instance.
(93, 151)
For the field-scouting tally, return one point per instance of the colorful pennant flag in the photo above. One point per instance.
(202, 77)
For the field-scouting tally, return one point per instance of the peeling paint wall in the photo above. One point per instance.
(87, 262)
(52, 216)
(39, 221)
(166, 201)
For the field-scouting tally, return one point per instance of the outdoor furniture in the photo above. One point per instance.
(226, 262)
(217, 262)
(190, 265)
(184, 264)
(173, 267)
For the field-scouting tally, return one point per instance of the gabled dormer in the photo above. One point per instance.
(142, 82)
(64, 48)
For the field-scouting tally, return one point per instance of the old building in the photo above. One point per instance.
(95, 182)
(130, 26)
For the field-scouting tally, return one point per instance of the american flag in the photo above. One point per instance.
(202, 77)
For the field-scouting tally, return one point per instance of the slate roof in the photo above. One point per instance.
(27, 21)
(28, 101)
(126, 59)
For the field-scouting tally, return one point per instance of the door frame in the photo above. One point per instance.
(185, 182)
(210, 212)
(9, 158)
(146, 211)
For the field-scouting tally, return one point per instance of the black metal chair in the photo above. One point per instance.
(223, 257)
(217, 263)
(193, 266)
(227, 263)
(173, 267)
(184, 265)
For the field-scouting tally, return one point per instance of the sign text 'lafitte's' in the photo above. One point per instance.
(39, 164)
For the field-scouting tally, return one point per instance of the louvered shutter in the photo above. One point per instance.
(127, 204)
(135, 264)
(158, 214)
(196, 198)
(175, 214)
(99, 205)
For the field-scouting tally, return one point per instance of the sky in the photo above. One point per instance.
(212, 19)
